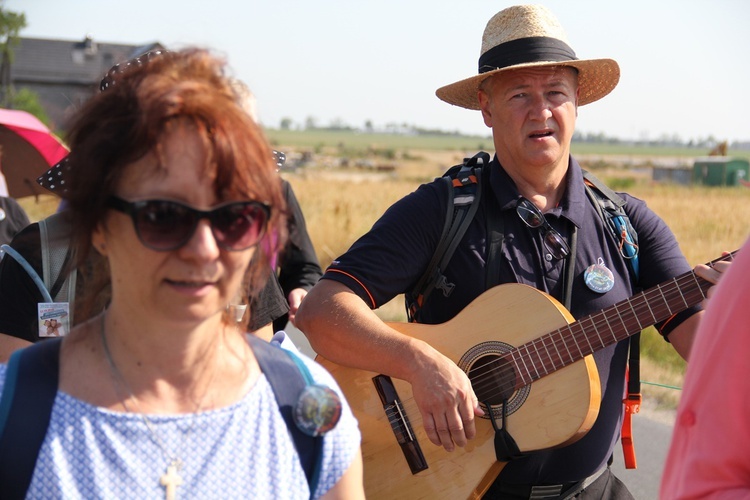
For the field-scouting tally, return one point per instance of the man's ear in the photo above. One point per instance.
(484, 106)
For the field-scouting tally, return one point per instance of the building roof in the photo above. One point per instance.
(720, 159)
(85, 61)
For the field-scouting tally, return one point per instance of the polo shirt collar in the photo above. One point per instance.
(573, 203)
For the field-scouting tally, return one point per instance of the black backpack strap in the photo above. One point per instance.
(25, 410)
(611, 208)
(288, 377)
(604, 189)
(415, 298)
(495, 228)
(464, 184)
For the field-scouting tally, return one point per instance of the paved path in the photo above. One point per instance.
(652, 432)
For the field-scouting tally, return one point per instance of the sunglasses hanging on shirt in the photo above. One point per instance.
(534, 218)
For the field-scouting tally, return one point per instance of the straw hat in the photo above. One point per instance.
(525, 36)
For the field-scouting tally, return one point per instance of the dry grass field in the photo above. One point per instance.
(341, 204)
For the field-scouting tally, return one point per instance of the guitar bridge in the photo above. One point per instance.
(400, 423)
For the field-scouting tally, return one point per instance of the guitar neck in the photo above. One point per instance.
(592, 333)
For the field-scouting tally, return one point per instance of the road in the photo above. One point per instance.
(652, 431)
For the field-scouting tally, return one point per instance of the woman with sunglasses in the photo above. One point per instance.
(161, 394)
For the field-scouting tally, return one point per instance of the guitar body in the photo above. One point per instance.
(553, 411)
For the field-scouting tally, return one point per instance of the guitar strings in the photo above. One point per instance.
(540, 356)
(655, 303)
(577, 343)
(663, 296)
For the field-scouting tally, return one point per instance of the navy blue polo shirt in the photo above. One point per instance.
(392, 256)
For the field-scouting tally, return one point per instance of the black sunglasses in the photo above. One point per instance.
(534, 218)
(279, 158)
(164, 225)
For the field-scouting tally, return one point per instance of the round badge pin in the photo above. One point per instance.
(318, 410)
(2, 214)
(598, 277)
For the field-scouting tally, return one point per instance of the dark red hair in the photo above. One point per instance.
(130, 118)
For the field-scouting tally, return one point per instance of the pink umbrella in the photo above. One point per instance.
(28, 150)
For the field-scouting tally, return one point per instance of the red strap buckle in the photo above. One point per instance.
(632, 406)
(632, 403)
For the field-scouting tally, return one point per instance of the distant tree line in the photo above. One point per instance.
(11, 23)
(664, 140)
(338, 125)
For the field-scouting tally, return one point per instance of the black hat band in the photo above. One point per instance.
(525, 50)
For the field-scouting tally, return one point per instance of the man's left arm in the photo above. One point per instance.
(682, 336)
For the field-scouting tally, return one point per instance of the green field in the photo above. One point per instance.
(361, 141)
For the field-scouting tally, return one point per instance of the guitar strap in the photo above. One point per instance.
(569, 269)
(506, 448)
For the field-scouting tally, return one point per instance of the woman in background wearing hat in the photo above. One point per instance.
(529, 88)
(161, 394)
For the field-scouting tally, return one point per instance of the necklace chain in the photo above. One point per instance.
(122, 384)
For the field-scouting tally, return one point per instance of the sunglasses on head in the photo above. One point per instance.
(164, 225)
(116, 71)
(534, 218)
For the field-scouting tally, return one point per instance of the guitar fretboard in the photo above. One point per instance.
(592, 333)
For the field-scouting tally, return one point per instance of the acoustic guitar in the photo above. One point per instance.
(526, 356)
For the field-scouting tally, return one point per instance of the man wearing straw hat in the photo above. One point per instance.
(529, 87)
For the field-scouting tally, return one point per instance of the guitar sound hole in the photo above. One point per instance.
(493, 379)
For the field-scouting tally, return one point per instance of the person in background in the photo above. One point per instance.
(708, 456)
(529, 89)
(3, 183)
(296, 265)
(173, 188)
(13, 219)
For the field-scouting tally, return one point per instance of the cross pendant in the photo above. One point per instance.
(171, 480)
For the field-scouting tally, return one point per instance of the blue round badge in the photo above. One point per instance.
(598, 278)
(318, 410)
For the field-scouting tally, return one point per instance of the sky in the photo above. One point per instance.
(685, 68)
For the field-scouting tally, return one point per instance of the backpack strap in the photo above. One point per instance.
(288, 376)
(57, 256)
(25, 410)
(495, 228)
(463, 183)
(611, 209)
